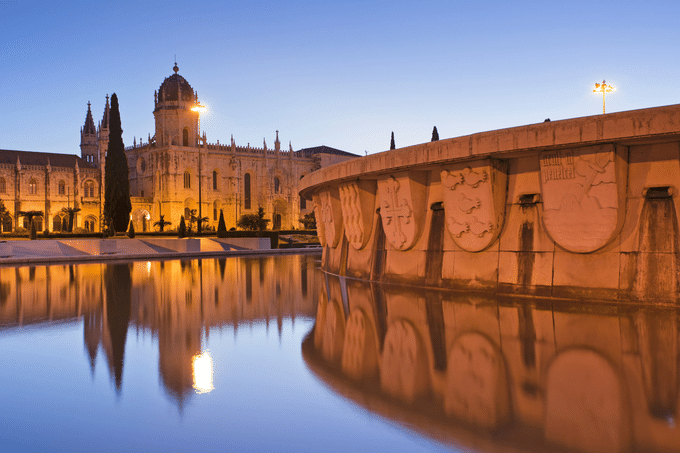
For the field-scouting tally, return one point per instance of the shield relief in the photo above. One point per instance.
(329, 215)
(584, 195)
(474, 202)
(357, 200)
(403, 197)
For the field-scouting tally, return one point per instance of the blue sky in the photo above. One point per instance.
(343, 74)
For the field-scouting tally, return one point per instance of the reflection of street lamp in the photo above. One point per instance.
(203, 372)
(198, 108)
(603, 88)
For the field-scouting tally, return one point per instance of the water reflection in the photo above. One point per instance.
(177, 302)
(494, 373)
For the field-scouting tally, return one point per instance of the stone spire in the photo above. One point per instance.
(88, 138)
(89, 128)
(105, 120)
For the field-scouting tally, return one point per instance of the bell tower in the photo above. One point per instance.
(88, 140)
(176, 123)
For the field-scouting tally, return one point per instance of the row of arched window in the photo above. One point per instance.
(247, 195)
(88, 187)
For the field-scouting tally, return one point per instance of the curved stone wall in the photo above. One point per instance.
(583, 207)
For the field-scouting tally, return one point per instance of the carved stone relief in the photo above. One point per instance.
(331, 216)
(474, 201)
(584, 195)
(402, 208)
(357, 200)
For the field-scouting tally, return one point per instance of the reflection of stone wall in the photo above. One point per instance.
(573, 208)
(592, 377)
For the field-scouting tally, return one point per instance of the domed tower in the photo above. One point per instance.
(176, 123)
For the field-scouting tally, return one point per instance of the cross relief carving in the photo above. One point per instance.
(396, 213)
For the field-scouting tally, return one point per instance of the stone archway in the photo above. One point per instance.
(140, 219)
(280, 214)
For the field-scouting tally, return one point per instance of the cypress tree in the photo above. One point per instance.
(117, 204)
(221, 227)
(131, 230)
(182, 228)
(392, 141)
(435, 134)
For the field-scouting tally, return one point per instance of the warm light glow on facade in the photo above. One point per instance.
(203, 372)
(199, 108)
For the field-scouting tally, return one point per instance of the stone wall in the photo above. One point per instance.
(584, 207)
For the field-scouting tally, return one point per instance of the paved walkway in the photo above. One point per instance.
(17, 252)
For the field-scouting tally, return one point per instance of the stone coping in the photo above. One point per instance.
(50, 251)
(621, 127)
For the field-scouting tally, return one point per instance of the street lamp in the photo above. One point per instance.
(198, 108)
(603, 88)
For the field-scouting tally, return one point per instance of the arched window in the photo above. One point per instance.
(3, 185)
(62, 187)
(185, 137)
(32, 186)
(214, 179)
(88, 189)
(56, 224)
(7, 224)
(276, 184)
(187, 180)
(246, 191)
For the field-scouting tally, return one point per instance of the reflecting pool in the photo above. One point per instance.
(197, 355)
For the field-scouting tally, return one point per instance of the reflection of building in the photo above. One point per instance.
(586, 376)
(178, 302)
(165, 173)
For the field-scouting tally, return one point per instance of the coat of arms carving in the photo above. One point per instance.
(357, 200)
(330, 215)
(474, 202)
(402, 208)
(584, 195)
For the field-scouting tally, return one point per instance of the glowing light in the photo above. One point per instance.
(203, 372)
(199, 108)
(603, 88)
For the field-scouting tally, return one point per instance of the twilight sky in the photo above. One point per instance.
(337, 73)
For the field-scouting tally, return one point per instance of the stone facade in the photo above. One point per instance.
(50, 183)
(166, 172)
(170, 174)
(584, 207)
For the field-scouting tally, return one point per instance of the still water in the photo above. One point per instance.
(199, 355)
(271, 354)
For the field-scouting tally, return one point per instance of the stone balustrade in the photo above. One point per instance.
(583, 207)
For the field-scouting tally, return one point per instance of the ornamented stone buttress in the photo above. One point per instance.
(584, 195)
(403, 198)
(474, 202)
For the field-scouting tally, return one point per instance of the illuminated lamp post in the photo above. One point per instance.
(603, 88)
(198, 108)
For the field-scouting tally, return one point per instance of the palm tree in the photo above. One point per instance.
(29, 216)
(193, 218)
(71, 214)
(161, 223)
